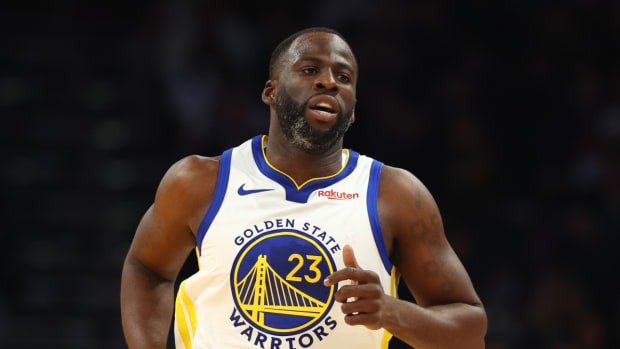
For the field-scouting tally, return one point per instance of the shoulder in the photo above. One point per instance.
(192, 167)
(405, 205)
(187, 188)
(190, 173)
(401, 187)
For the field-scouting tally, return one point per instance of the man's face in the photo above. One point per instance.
(315, 95)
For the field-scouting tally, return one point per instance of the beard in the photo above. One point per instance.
(300, 133)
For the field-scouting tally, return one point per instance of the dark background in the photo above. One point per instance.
(509, 112)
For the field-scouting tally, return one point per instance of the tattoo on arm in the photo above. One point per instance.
(434, 267)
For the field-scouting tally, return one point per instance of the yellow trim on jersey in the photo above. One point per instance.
(184, 305)
(181, 322)
(385, 341)
(393, 282)
(309, 180)
(198, 257)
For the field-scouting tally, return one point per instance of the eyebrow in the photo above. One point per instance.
(318, 60)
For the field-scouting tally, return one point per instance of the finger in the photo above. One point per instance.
(368, 320)
(362, 306)
(349, 257)
(358, 291)
(355, 274)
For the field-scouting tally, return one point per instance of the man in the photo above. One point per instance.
(286, 225)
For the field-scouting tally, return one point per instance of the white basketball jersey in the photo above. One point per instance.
(265, 246)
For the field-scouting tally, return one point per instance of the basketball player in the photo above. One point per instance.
(300, 242)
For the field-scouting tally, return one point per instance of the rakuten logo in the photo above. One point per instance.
(334, 195)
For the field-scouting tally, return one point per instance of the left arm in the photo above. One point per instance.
(448, 313)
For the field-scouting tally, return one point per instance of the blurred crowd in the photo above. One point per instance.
(509, 112)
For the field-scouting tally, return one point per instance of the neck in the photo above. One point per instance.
(299, 164)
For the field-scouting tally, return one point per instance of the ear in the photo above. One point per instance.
(269, 92)
(353, 117)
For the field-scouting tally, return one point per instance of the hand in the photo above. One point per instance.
(364, 302)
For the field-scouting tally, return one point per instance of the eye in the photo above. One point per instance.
(309, 70)
(344, 78)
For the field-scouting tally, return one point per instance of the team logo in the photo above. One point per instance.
(277, 282)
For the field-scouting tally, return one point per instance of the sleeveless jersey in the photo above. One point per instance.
(264, 247)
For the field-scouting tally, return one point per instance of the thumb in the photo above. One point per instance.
(349, 257)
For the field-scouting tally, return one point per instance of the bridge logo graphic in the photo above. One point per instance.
(277, 282)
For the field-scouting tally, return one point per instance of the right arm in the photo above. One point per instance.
(163, 240)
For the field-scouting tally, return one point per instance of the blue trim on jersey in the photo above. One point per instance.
(373, 213)
(302, 194)
(218, 197)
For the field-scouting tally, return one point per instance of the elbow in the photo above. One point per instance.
(467, 331)
(479, 327)
(473, 330)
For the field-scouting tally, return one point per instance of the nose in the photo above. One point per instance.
(326, 81)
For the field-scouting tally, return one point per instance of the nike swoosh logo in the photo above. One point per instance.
(242, 191)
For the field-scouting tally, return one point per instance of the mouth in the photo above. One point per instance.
(323, 107)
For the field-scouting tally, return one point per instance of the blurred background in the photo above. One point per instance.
(508, 111)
